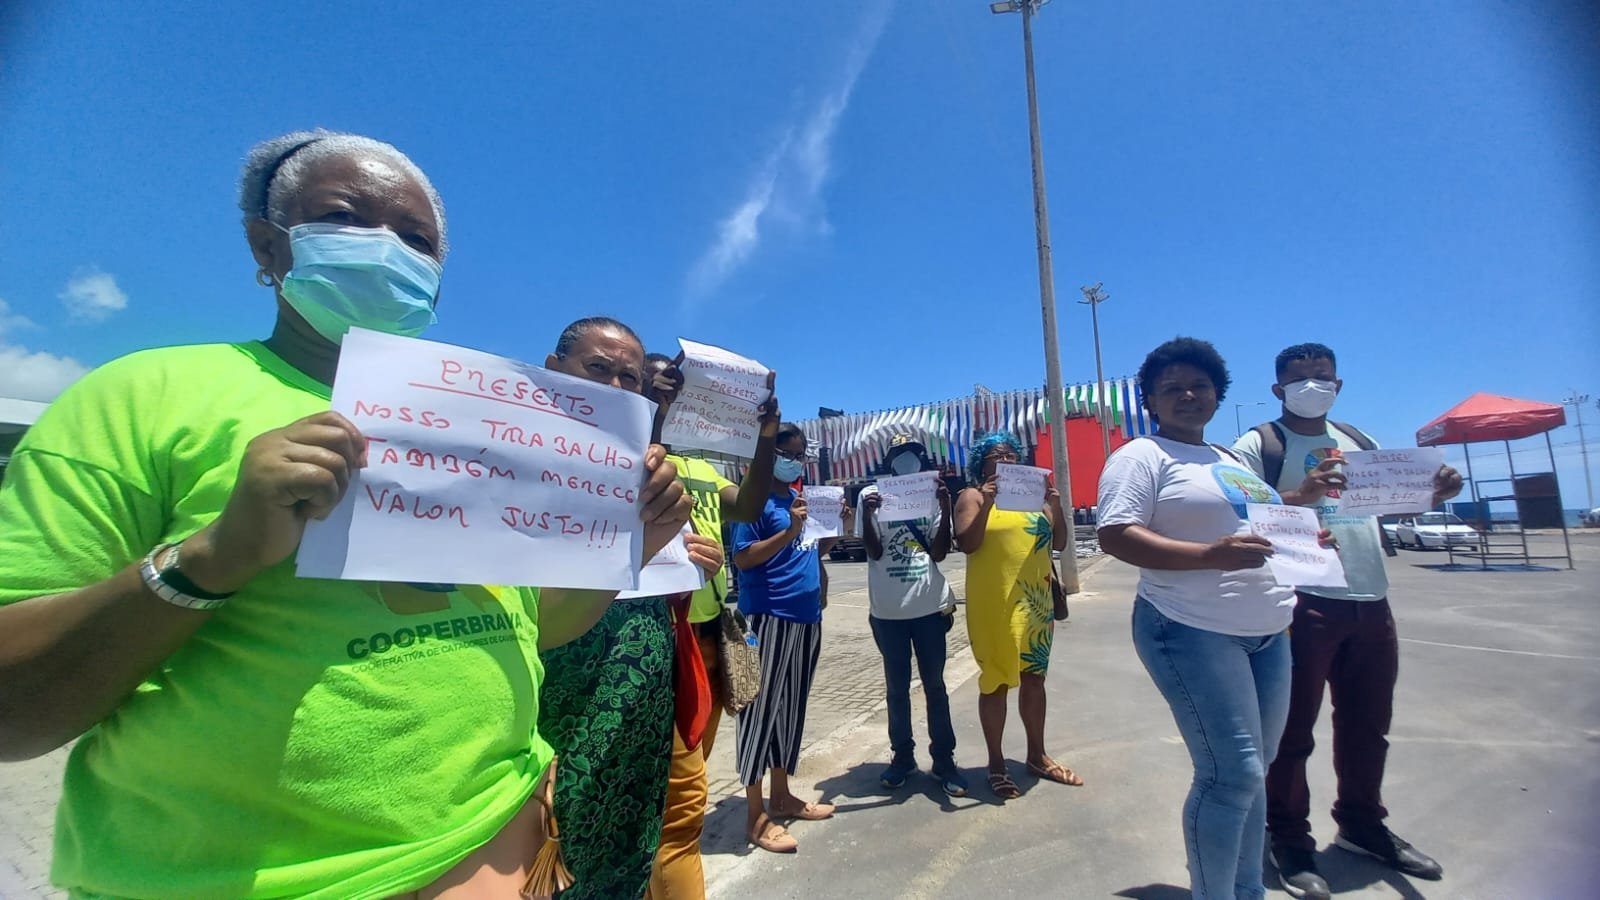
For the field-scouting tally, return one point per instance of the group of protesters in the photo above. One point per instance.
(230, 743)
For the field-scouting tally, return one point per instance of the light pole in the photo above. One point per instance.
(1047, 293)
(1093, 297)
(1576, 401)
(1238, 427)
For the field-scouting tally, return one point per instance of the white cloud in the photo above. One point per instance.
(93, 296)
(10, 321)
(29, 375)
(789, 185)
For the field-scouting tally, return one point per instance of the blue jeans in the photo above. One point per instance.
(1230, 698)
(898, 640)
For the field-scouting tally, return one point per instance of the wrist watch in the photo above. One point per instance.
(169, 583)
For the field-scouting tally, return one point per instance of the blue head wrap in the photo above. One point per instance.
(981, 449)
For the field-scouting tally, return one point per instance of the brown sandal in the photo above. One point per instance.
(772, 837)
(1056, 772)
(1003, 787)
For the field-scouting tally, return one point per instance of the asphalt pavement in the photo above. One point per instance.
(1492, 768)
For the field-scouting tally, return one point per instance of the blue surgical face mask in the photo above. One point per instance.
(345, 277)
(787, 470)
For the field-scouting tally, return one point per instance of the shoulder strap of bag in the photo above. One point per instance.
(1271, 451)
(1354, 434)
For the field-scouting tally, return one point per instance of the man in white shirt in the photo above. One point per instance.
(1341, 637)
(912, 609)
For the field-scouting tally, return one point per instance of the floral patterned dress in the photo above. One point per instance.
(606, 706)
(1009, 608)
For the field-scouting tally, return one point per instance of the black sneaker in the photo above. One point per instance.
(1389, 849)
(1297, 871)
(898, 771)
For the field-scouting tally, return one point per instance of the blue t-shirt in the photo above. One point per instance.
(789, 585)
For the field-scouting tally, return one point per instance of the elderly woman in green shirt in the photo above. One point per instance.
(241, 731)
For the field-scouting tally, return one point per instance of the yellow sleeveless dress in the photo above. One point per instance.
(1010, 617)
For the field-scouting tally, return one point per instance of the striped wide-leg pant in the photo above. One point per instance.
(771, 726)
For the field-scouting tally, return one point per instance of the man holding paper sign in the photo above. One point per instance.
(678, 872)
(912, 610)
(1343, 637)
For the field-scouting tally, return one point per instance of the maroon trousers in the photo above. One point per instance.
(1350, 646)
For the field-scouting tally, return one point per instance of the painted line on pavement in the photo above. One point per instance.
(1500, 650)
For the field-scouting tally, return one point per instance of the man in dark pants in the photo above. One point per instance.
(1342, 638)
(912, 608)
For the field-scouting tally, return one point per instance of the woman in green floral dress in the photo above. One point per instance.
(1009, 608)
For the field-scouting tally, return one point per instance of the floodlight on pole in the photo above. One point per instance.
(1093, 297)
(1060, 464)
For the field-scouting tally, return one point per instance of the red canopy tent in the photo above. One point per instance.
(1490, 417)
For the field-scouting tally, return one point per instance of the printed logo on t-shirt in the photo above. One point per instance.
(1241, 487)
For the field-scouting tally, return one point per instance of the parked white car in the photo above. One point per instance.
(1435, 531)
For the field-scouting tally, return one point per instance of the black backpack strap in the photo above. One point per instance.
(1356, 435)
(1272, 442)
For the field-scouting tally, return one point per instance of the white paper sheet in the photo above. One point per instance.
(482, 470)
(669, 572)
(908, 496)
(824, 513)
(717, 408)
(1297, 559)
(1020, 488)
(1384, 482)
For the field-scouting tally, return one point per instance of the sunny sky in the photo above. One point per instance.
(841, 190)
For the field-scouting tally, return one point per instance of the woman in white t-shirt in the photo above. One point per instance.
(1209, 620)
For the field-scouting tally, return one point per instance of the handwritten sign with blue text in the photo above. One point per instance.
(1297, 557)
(717, 409)
(1384, 482)
(482, 470)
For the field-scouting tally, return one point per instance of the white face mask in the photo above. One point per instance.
(905, 464)
(1310, 398)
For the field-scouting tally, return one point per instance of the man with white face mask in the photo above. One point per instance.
(911, 610)
(1342, 637)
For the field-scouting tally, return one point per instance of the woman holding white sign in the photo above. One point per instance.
(242, 731)
(1010, 607)
(1209, 620)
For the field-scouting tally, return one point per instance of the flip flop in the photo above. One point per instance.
(1056, 772)
(811, 812)
(772, 837)
(1003, 787)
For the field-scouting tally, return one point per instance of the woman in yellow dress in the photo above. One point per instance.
(1009, 607)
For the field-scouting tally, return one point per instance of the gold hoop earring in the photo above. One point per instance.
(265, 279)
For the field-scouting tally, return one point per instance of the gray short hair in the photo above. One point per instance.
(273, 170)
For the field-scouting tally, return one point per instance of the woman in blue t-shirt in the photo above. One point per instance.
(781, 587)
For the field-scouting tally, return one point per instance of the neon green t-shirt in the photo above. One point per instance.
(705, 485)
(313, 738)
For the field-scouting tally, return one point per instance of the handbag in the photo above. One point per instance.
(1058, 595)
(741, 663)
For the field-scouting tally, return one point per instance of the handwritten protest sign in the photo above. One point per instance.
(908, 496)
(824, 513)
(1297, 558)
(1020, 488)
(670, 571)
(716, 410)
(1380, 482)
(482, 470)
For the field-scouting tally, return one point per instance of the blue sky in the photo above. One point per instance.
(842, 189)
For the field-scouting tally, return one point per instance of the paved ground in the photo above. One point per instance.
(1497, 725)
(1492, 766)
